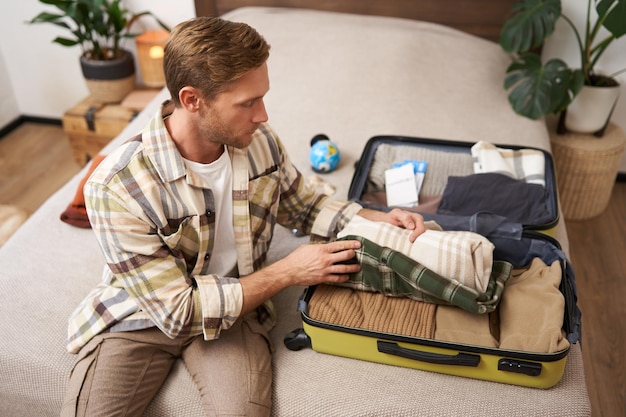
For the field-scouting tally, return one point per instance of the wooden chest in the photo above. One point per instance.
(90, 125)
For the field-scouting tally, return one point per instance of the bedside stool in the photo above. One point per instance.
(586, 168)
(90, 125)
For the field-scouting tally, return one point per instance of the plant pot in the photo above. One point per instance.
(109, 81)
(591, 109)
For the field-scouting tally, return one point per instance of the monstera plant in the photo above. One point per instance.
(537, 88)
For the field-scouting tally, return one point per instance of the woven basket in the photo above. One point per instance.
(109, 81)
(110, 91)
(586, 168)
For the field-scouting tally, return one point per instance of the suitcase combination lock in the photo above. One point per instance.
(520, 367)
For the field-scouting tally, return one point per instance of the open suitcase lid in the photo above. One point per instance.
(363, 165)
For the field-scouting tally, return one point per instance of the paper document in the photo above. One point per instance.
(400, 186)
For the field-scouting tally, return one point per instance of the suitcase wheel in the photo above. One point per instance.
(297, 340)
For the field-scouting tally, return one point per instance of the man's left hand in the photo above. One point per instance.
(401, 218)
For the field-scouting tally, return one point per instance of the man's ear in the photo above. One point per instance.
(190, 98)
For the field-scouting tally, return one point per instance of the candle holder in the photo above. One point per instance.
(150, 46)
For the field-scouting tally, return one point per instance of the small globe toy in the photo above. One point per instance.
(324, 154)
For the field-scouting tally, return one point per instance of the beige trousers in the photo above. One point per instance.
(118, 374)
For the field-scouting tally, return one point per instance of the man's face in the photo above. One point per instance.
(235, 114)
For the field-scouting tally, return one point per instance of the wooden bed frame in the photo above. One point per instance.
(482, 18)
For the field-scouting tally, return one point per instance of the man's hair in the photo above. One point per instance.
(208, 53)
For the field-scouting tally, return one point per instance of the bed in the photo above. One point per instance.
(351, 70)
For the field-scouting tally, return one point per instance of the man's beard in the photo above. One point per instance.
(215, 129)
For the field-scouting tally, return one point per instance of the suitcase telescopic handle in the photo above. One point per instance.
(460, 359)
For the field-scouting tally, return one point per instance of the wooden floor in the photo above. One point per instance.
(35, 160)
(598, 255)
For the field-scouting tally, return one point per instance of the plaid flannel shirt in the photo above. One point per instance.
(155, 223)
(392, 273)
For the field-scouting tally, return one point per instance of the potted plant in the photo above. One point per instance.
(536, 88)
(98, 26)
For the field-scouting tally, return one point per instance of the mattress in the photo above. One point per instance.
(350, 77)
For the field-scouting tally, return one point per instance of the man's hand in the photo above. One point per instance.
(307, 265)
(402, 218)
(315, 264)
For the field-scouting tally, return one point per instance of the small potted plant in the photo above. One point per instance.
(537, 89)
(98, 26)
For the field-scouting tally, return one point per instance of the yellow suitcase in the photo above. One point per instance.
(517, 243)
(530, 369)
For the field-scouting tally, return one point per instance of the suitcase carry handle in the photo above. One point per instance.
(460, 359)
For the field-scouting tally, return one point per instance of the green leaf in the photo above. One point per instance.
(55, 2)
(117, 16)
(530, 23)
(566, 84)
(97, 25)
(59, 4)
(65, 41)
(536, 90)
(615, 10)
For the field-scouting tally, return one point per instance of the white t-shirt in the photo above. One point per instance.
(219, 175)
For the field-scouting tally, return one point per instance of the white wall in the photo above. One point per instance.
(45, 78)
(562, 44)
(9, 110)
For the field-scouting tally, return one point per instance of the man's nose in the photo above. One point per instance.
(260, 114)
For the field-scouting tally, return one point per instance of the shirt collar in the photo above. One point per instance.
(160, 147)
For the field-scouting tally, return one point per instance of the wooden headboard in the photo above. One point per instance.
(478, 17)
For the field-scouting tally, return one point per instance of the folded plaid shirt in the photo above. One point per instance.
(464, 256)
(392, 273)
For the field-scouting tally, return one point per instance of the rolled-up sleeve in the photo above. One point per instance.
(332, 218)
(221, 300)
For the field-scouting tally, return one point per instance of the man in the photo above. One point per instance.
(184, 214)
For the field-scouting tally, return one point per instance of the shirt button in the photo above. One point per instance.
(206, 257)
(209, 212)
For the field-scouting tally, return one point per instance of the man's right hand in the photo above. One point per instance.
(307, 265)
(318, 263)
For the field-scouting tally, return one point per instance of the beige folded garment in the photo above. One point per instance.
(463, 256)
(522, 164)
(456, 325)
(372, 311)
(531, 310)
